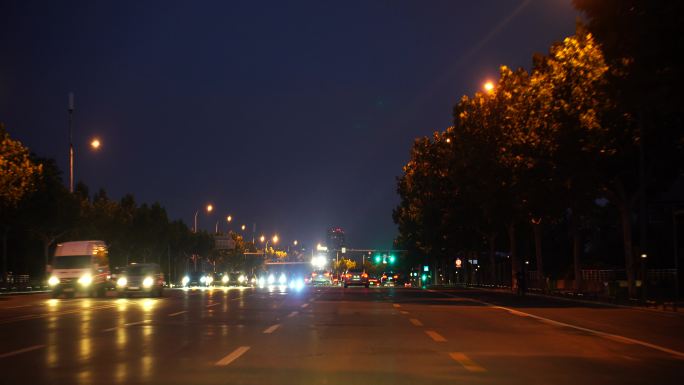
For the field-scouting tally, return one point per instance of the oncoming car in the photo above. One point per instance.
(145, 278)
(198, 278)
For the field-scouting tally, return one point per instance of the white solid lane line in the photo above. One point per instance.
(610, 336)
(304, 305)
(271, 329)
(177, 313)
(127, 324)
(415, 322)
(435, 336)
(24, 350)
(214, 304)
(234, 355)
(294, 313)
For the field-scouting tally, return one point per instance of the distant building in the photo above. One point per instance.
(336, 239)
(224, 242)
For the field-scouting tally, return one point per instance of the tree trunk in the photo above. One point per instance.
(515, 266)
(537, 230)
(492, 259)
(576, 250)
(5, 230)
(626, 218)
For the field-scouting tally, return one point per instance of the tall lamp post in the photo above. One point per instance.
(70, 109)
(209, 209)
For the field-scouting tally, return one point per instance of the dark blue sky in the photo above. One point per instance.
(293, 115)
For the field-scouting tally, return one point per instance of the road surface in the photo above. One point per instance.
(335, 336)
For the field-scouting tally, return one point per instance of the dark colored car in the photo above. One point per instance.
(389, 278)
(145, 278)
(197, 278)
(356, 278)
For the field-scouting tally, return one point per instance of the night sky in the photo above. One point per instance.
(294, 115)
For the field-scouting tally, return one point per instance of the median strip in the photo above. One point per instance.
(435, 336)
(234, 355)
(466, 362)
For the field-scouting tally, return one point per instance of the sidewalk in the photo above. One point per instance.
(649, 306)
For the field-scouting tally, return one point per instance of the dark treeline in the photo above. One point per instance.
(47, 214)
(561, 165)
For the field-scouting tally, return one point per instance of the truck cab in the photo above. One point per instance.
(80, 267)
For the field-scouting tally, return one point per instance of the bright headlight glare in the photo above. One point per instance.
(53, 281)
(241, 279)
(147, 282)
(121, 282)
(203, 279)
(271, 279)
(224, 279)
(85, 280)
(209, 280)
(185, 280)
(282, 279)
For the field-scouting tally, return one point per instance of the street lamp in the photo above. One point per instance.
(489, 87)
(295, 242)
(95, 144)
(242, 227)
(209, 209)
(275, 239)
(229, 218)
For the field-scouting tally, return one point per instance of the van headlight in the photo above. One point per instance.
(53, 281)
(209, 280)
(241, 278)
(185, 280)
(122, 282)
(147, 282)
(86, 280)
(224, 279)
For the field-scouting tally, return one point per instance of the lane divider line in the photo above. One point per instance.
(435, 336)
(294, 313)
(271, 329)
(126, 325)
(177, 313)
(304, 305)
(20, 351)
(606, 335)
(404, 312)
(415, 322)
(234, 355)
(396, 305)
(466, 362)
(213, 304)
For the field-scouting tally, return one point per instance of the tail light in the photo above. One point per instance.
(396, 276)
(364, 275)
(326, 274)
(314, 274)
(348, 275)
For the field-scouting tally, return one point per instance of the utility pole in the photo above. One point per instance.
(71, 142)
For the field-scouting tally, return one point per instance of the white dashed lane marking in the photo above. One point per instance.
(234, 355)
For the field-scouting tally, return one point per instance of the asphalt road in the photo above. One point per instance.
(334, 336)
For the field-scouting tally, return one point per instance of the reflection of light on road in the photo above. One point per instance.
(121, 304)
(282, 288)
(52, 303)
(84, 377)
(146, 367)
(148, 305)
(85, 343)
(53, 333)
(121, 373)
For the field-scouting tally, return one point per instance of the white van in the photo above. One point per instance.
(80, 267)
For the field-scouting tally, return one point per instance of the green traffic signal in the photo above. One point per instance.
(423, 277)
(391, 259)
(377, 259)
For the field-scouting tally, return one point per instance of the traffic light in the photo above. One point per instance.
(391, 259)
(423, 277)
(378, 259)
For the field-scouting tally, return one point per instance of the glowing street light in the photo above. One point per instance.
(295, 242)
(275, 239)
(95, 143)
(209, 209)
(262, 239)
(229, 218)
(242, 227)
(489, 87)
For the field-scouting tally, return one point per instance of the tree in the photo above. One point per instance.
(17, 179)
(640, 39)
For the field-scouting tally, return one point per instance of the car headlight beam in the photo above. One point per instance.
(86, 280)
(121, 282)
(53, 281)
(147, 282)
